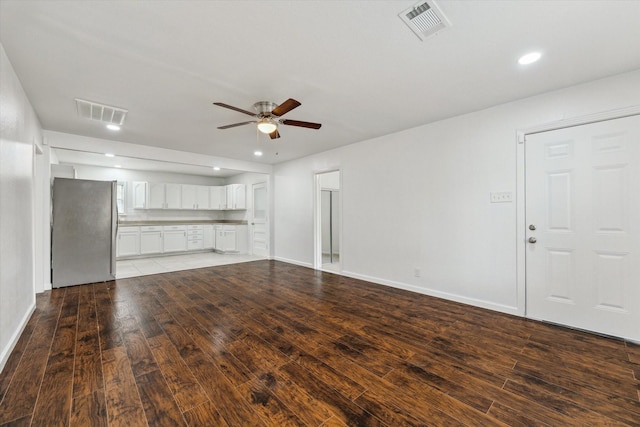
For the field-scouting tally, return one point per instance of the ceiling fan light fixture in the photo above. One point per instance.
(267, 125)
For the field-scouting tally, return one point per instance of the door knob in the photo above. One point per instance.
(532, 227)
(532, 240)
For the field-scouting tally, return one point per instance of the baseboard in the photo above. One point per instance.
(438, 294)
(425, 291)
(293, 261)
(4, 356)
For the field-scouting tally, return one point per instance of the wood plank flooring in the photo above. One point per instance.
(269, 343)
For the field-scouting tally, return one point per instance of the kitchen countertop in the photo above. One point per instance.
(181, 222)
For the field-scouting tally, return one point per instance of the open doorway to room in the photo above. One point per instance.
(328, 221)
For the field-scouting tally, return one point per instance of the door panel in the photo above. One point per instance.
(583, 201)
(259, 221)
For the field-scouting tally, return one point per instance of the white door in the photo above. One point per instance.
(583, 210)
(259, 220)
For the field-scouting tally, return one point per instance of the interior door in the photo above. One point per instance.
(583, 215)
(259, 220)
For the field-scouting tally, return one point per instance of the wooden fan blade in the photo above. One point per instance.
(285, 107)
(275, 134)
(236, 124)
(231, 107)
(301, 124)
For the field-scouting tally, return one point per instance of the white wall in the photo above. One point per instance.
(420, 198)
(19, 132)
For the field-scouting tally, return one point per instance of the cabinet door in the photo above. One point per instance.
(155, 196)
(128, 244)
(188, 197)
(219, 242)
(208, 237)
(239, 196)
(151, 242)
(229, 195)
(195, 243)
(218, 197)
(175, 241)
(139, 190)
(202, 197)
(230, 241)
(173, 193)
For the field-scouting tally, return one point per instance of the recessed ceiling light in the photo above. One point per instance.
(216, 168)
(113, 127)
(257, 153)
(117, 166)
(529, 58)
(109, 154)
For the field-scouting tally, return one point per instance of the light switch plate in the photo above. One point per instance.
(501, 197)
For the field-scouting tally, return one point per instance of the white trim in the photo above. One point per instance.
(411, 288)
(6, 352)
(521, 136)
(317, 230)
(294, 262)
(435, 293)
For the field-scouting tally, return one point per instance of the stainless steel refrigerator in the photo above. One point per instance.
(83, 240)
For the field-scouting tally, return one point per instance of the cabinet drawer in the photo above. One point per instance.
(195, 232)
(151, 228)
(128, 229)
(195, 244)
(175, 228)
(195, 227)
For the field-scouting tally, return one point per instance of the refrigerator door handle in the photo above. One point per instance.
(114, 225)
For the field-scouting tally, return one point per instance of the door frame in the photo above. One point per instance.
(317, 218)
(521, 187)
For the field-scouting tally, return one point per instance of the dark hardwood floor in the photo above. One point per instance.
(268, 343)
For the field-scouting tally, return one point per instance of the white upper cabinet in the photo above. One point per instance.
(164, 196)
(188, 196)
(236, 196)
(155, 195)
(139, 191)
(195, 196)
(218, 197)
(173, 196)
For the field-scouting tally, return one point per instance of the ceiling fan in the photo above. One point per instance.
(268, 116)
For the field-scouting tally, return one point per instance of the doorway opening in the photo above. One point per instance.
(328, 221)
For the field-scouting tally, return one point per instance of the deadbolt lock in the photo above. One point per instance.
(532, 227)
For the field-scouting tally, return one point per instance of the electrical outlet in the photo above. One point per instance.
(416, 272)
(501, 197)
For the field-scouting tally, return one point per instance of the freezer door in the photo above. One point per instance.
(82, 240)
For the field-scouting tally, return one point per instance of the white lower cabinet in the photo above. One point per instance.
(151, 239)
(134, 241)
(195, 237)
(175, 238)
(208, 236)
(128, 243)
(231, 238)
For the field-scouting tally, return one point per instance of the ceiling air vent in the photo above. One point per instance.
(100, 112)
(425, 19)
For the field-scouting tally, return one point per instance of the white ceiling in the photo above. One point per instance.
(354, 65)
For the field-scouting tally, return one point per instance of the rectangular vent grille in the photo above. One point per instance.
(100, 112)
(425, 19)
